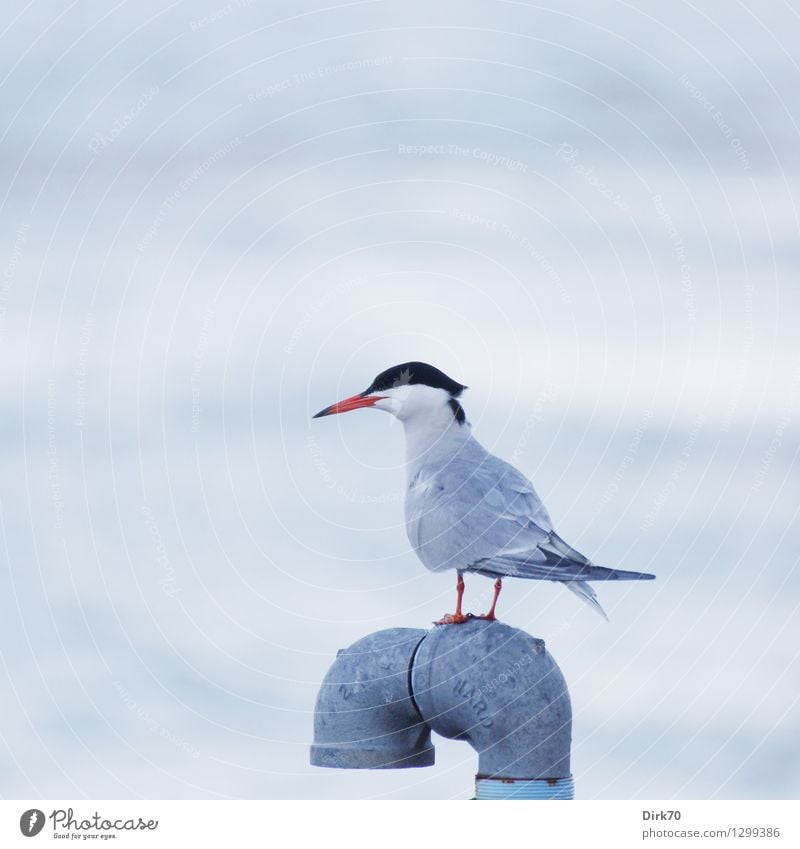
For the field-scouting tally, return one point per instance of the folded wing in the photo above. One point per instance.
(483, 515)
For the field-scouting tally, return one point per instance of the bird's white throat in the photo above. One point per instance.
(433, 436)
(434, 423)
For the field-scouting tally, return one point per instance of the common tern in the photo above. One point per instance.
(466, 509)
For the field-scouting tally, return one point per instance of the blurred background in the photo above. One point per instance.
(219, 218)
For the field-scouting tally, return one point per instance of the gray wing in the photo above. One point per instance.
(483, 515)
(474, 509)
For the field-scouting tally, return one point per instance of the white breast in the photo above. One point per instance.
(421, 503)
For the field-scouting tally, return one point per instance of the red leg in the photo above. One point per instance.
(458, 617)
(459, 595)
(498, 585)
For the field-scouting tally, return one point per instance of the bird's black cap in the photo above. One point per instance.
(408, 374)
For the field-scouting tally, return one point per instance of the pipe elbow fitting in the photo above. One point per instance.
(494, 686)
(499, 689)
(365, 716)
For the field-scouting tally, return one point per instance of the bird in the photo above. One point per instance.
(465, 508)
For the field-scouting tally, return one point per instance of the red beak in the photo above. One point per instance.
(353, 403)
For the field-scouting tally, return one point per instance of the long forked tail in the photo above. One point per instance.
(590, 572)
(552, 567)
(587, 594)
(601, 573)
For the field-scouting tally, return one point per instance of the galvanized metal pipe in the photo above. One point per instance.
(484, 682)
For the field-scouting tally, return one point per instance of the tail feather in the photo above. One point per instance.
(601, 573)
(587, 594)
(553, 568)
